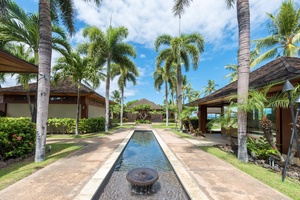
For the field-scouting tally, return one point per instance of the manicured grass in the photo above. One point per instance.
(14, 172)
(172, 127)
(72, 136)
(289, 187)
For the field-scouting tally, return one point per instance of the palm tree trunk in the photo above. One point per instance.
(167, 105)
(122, 106)
(29, 104)
(107, 96)
(179, 91)
(77, 110)
(243, 15)
(45, 50)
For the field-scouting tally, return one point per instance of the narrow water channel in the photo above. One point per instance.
(143, 150)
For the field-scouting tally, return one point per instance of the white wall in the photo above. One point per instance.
(95, 111)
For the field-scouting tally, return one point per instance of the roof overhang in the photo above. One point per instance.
(12, 64)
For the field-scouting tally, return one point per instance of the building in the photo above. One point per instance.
(62, 102)
(276, 71)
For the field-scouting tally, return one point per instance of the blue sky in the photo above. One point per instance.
(146, 20)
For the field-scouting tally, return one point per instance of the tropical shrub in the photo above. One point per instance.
(260, 149)
(141, 121)
(67, 125)
(17, 137)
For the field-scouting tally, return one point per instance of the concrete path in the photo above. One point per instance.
(65, 178)
(216, 178)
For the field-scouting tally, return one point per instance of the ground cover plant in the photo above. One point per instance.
(16, 171)
(290, 187)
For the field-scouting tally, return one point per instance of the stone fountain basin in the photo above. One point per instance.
(142, 176)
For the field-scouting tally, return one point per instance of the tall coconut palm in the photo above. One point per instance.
(78, 70)
(285, 34)
(126, 72)
(233, 76)
(210, 88)
(165, 75)
(181, 50)
(115, 96)
(243, 17)
(108, 47)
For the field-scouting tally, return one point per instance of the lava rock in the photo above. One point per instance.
(276, 168)
(2, 164)
(266, 165)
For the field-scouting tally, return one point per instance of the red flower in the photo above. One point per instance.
(8, 142)
(19, 138)
(13, 135)
(30, 143)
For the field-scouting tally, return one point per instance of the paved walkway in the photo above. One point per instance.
(65, 178)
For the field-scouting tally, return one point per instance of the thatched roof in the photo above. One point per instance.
(278, 70)
(10, 63)
(62, 88)
(145, 101)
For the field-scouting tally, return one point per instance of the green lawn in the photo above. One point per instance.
(172, 127)
(289, 187)
(14, 172)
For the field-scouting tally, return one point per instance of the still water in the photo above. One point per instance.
(143, 150)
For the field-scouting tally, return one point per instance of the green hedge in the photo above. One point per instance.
(17, 137)
(67, 125)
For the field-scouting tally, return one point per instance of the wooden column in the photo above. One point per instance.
(202, 118)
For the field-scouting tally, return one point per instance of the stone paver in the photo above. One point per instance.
(216, 178)
(65, 178)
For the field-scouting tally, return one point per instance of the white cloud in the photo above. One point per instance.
(148, 19)
(142, 56)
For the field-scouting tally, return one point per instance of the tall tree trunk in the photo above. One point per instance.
(122, 106)
(45, 50)
(36, 62)
(77, 110)
(167, 105)
(29, 104)
(107, 95)
(179, 91)
(243, 16)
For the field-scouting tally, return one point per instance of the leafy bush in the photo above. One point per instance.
(17, 137)
(67, 125)
(193, 121)
(140, 121)
(261, 148)
(171, 120)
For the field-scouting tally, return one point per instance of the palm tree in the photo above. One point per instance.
(2, 78)
(285, 34)
(116, 96)
(243, 17)
(181, 49)
(210, 88)
(107, 47)
(127, 72)
(233, 76)
(165, 75)
(78, 70)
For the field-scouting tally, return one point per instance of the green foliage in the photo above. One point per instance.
(144, 107)
(17, 137)
(156, 112)
(115, 109)
(131, 102)
(141, 121)
(261, 148)
(67, 125)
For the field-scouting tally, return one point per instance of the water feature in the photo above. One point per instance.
(143, 151)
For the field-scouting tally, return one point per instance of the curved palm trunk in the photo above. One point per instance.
(45, 49)
(107, 96)
(243, 15)
(77, 110)
(167, 105)
(122, 106)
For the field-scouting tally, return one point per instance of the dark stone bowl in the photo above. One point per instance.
(142, 176)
